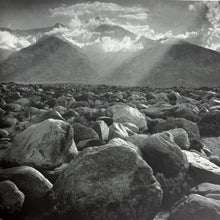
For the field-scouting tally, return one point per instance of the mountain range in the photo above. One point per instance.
(169, 65)
(55, 59)
(49, 60)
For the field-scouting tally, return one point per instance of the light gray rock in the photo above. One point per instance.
(201, 169)
(117, 130)
(206, 188)
(124, 113)
(45, 145)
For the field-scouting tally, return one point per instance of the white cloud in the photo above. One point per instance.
(10, 41)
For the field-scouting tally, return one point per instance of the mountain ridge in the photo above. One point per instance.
(49, 60)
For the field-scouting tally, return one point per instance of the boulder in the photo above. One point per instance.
(108, 120)
(50, 114)
(190, 127)
(45, 145)
(215, 159)
(117, 130)
(174, 97)
(124, 113)
(88, 143)
(196, 144)
(167, 161)
(109, 182)
(11, 198)
(180, 137)
(204, 189)
(161, 153)
(196, 207)
(13, 107)
(121, 142)
(131, 127)
(60, 109)
(209, 125)
(4, 133)
(22, 101)
(62, 101)
(187, 111)
(213, 144)
(101, 129)
(82, 133)
(30, 181)
(201, 169)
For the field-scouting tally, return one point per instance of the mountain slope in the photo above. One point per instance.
(179, 64)
(117, 32)
(5, 53)
(49, 60)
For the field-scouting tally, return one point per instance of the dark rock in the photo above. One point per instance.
(82, 133)
(31, 182)
(196, 207)
(187, 111)
(70, 113)
(161, 153)
(209, 125)
(190, 127)
(167, 161)
(174, 97)
(196, 144)
(88, 143)
(108, 120)
(50, 114)
(11, 198)
(215, 159)
(101, 129)
(109, 182)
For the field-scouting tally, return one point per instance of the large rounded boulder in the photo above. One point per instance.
(190, 127)
(30, 181)
(108, 182)
(45, 145)
(167, 161)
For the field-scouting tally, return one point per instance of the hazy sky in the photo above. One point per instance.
(27, 14)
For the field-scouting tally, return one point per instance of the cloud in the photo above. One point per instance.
(10, 41)
(113, 45)
(210, 31)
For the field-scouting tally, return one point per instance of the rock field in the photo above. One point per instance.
(81, 152)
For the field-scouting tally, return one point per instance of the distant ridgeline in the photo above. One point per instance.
(53, 60)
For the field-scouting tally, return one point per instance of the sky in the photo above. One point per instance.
(155, 19)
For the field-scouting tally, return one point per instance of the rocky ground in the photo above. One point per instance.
(100, 152)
